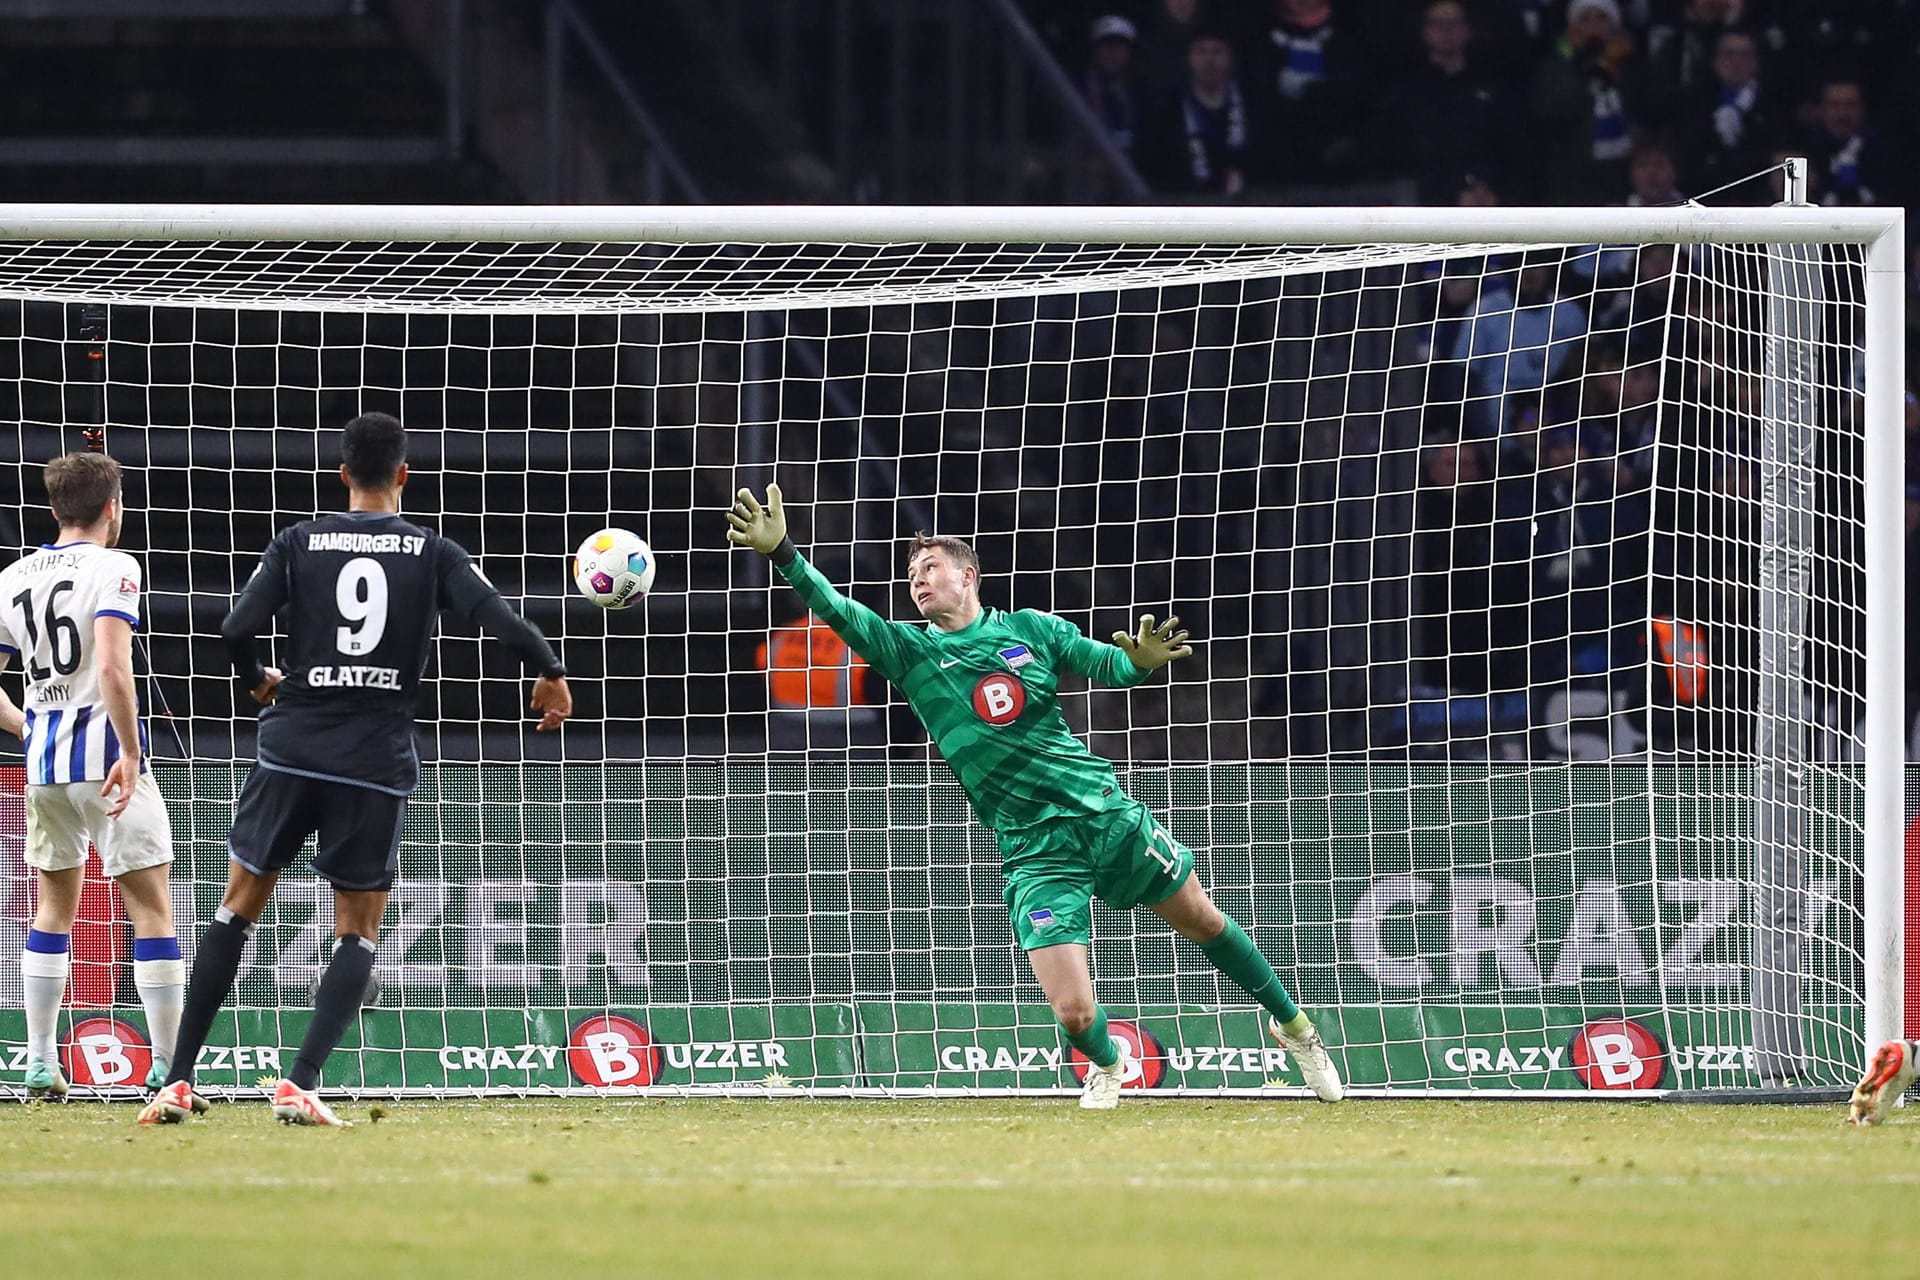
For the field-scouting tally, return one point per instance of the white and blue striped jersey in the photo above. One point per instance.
(49, 600)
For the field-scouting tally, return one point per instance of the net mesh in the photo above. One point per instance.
(1500, 738)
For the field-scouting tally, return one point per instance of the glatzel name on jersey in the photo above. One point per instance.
(354, 678)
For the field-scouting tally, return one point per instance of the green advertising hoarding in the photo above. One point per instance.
(918, 1046)
(1450, 926)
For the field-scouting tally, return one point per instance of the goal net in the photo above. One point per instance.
(1543, 728)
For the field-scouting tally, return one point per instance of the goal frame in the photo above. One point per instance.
(1879, 232)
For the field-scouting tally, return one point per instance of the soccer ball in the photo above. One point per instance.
(614, 569)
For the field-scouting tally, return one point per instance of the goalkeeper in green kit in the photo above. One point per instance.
(984, 683)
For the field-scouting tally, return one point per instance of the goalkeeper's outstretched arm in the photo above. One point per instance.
(763, 527)
(1130, 659)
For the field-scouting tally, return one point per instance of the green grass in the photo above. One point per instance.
(990, 1188)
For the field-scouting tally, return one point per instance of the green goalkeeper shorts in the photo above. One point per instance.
(1123, 856)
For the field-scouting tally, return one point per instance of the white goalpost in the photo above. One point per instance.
(1546, 728)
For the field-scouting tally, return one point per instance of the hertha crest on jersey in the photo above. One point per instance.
(1018, 656)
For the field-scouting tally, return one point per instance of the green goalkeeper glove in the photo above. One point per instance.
(762, 528)
(1155, 646)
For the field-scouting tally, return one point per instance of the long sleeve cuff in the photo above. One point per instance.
(245, 657)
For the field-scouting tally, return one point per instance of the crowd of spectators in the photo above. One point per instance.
(1547, 528)
(1509, 101)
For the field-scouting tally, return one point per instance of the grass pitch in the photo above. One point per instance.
(794, 1188)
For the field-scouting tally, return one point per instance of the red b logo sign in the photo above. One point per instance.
(1145, 1069)
(106, 1051)
(999, 699)
(1617, 1053)
(610, 1050)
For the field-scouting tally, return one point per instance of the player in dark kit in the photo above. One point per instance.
(361, 592)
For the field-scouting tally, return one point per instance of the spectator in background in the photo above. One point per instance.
(1636, 437)
(1309, 77)
(1823, 40)
(1502, 49)
(1592, 397)
(1166, 37)
(1635, 300)
(1537, 20)
(1728, 131)
(1655, 183)
(1855, 163)
(1200, 135)
(1453, 567)
(1575, 528)
(1586, 95)
(1446, 123)
(1115, 88)
(1515, 341)
(820, 693)
(1682, 54)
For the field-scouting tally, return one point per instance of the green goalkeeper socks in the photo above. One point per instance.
(1234, 954)
(1095, 1042)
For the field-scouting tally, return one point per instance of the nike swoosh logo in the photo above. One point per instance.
(950, 663)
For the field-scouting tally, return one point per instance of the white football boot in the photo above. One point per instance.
(1101, 1092)
(1316, 1064)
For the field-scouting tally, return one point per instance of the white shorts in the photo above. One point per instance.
(64, 817)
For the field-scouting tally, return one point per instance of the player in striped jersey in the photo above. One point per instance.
(67, 615)
(985, 682)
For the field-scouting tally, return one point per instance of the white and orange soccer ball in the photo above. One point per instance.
(614, 569)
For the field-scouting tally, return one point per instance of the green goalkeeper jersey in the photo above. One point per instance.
(988, 695)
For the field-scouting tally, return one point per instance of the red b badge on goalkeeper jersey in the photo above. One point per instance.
(999, 698)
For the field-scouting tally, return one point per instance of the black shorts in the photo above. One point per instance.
(359, 828)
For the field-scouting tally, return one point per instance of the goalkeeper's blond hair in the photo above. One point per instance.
(960, 552)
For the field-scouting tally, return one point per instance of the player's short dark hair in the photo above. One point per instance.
(372, 448)
(79, 486)
(958, 551)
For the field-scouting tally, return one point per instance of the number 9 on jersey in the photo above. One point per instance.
(614, 569)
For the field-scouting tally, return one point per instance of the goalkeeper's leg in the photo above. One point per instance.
(1051, 909)
(1065, 976)
(1194, 917)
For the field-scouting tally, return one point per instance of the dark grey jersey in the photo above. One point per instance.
(359, 594)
